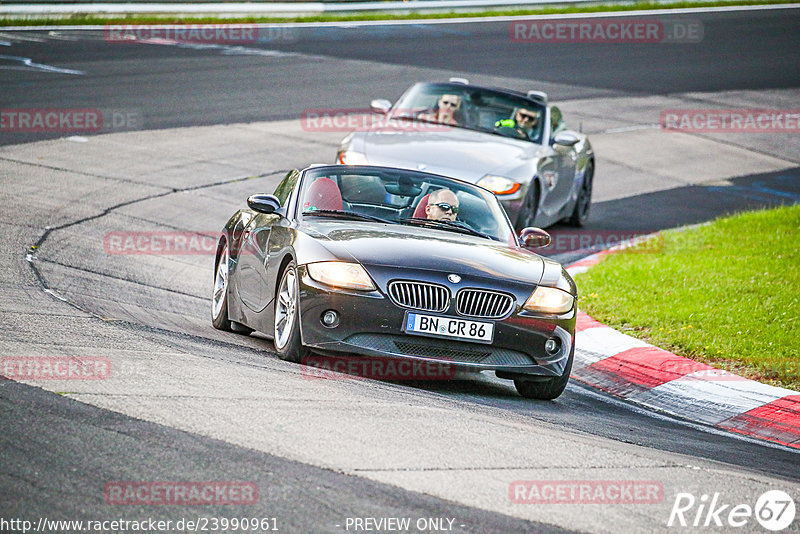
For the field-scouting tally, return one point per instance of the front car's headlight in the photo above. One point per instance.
(550, 300)
(499, 185)
(341, 274)
(351, 157)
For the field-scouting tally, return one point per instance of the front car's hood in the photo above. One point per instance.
(389, 245)
(456, 152)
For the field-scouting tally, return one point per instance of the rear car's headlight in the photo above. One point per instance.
(549, 300)
(499, 185)
(341, 274)
(350, 157)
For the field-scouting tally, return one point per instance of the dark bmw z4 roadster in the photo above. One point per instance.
(372, 262)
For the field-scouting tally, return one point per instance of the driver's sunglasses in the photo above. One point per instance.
(451, 103)
(527, 117)
(444, 206)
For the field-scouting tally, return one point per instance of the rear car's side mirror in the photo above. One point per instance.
(380, 106)
(566, 138)
(264, 203)
(534, 238)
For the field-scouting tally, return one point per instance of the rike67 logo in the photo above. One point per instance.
(774, 510)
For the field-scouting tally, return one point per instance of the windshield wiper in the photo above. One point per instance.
(443, 223)
(347, 215)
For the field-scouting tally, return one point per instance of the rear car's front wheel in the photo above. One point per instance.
(581, 212)
(547, 389)
(287, 317)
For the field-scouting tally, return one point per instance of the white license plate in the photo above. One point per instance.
(435, 325)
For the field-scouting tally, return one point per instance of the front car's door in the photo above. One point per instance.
(253, 258)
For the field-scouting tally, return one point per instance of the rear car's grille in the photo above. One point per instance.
(440, 349)
(483, 303)
(420, 295)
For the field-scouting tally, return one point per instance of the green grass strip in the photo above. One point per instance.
(80, 20)
(725, 293)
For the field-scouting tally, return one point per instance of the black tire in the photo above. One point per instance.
(545, 389)
(287, 340)
(527, 212)
(239, 328)
(219, 311)
(219, 295)
(584, 203)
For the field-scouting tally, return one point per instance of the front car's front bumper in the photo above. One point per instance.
(370, 324)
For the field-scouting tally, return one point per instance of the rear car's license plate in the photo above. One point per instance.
(452, 327)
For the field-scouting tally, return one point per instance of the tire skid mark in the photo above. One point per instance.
(36, 247)
(122, 279)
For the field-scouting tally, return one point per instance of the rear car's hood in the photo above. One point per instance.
(412, 247)
(455, 152)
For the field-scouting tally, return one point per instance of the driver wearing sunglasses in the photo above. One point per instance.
(445, 110)
(525, 121)
(442, 205)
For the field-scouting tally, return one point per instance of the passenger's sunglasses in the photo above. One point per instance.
(444, 206)
(451, 103)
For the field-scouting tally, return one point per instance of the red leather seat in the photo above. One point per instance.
(323, 194)
(419, 212)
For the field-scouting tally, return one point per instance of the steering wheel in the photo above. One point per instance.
(508, 131)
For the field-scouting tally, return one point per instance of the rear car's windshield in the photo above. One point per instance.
(473, 108)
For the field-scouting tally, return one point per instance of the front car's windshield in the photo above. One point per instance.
(404, 197)
(473, 108)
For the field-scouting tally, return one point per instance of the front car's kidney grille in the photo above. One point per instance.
(420, 295)
(483, 303)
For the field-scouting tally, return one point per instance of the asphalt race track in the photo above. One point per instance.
(749, 50)
(210, 124)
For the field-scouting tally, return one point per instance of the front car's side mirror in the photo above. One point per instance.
(264, 203)
(534, 238)
(566, 138)
(380, 106)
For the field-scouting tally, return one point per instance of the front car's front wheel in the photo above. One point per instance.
(547, 389)
(287, 317)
